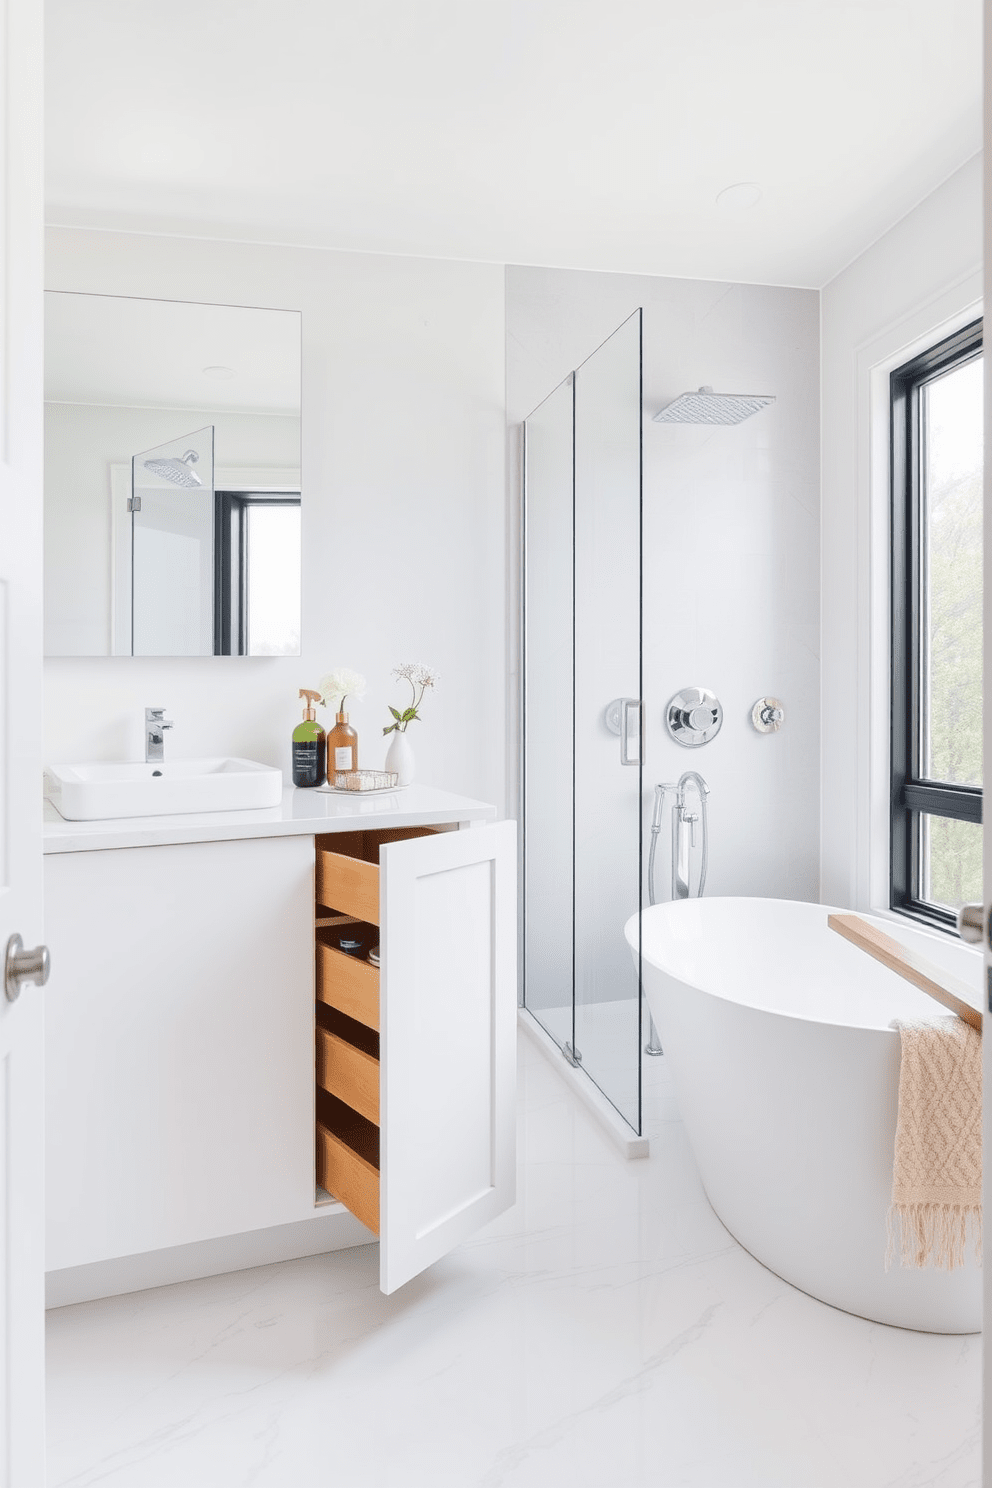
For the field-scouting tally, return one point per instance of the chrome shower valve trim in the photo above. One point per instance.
(694, 717)
(768, 715)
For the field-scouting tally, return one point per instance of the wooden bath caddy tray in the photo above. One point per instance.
(946, 989)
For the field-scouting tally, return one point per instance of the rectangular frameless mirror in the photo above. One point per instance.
(172, 478)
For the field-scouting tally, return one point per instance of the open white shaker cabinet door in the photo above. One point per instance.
(448, 1042)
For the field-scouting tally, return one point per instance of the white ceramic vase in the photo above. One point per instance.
(399, 757)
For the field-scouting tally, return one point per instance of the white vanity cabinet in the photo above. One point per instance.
(183, 1116)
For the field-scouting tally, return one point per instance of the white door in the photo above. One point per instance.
(986, 918)
(22, 1235)
(447, 1042)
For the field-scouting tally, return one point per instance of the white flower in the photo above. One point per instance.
(339, 684)
(417, 673)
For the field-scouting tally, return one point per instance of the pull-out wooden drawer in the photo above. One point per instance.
(348, 885)
(348, 1162)
(348, 983)
(348, 1073)
(348, 869)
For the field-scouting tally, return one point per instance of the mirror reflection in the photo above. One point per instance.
(172, 478)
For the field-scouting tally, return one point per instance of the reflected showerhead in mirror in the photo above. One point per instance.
(707, 407)
(179, 472)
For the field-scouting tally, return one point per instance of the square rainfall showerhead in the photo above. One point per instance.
(708, 407)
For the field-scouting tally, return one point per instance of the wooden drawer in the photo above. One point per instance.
(348, 983)
(348, 1073)
(348, 1174)
(348, 885)
(347, 869)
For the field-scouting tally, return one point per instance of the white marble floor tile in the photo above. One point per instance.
(606, 1333)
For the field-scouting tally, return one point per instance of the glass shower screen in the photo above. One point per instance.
(172, 547)
(608, 671)
(583, 733)
(547, 712)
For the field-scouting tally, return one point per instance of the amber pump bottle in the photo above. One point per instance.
(309, 745)
(342, 746)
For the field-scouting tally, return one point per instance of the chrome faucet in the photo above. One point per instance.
(155, 725)
(681, 888)
(681, 815)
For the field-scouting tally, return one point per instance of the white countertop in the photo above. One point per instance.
(300, 813)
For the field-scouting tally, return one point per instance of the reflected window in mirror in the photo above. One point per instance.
(257, 573)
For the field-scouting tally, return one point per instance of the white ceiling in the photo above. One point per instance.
(580, 133)
(120, 352)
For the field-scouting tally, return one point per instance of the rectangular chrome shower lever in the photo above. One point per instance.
(627, 735)
(618, 720)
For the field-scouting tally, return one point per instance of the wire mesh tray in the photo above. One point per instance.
(354, 782)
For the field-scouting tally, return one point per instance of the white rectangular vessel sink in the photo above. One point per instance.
(96, 792)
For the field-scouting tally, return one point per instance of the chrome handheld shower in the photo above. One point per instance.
(659, 808)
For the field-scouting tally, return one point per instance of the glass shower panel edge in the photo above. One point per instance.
(547, 713)
(607, 697)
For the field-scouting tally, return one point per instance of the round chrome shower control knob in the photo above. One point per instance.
(694, 716)
(768, 715)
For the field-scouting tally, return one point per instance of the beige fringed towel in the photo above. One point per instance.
(937, 1176)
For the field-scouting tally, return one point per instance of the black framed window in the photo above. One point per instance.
(936, 785)
(256, 573)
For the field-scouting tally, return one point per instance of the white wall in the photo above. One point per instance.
(404, 508)
(731, 542)
(923, 277)
(82, 442)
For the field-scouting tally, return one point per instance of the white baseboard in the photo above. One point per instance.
(588, 1093)
(333, 1229)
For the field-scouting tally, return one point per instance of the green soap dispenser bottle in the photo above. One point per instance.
(309, 745)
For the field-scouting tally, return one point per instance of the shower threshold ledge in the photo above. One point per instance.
(619, 1132)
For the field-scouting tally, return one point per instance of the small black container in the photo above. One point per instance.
(350, 940)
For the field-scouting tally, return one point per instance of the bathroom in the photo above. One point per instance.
(606, 1328)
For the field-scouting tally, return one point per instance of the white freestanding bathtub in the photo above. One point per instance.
(787, 1076)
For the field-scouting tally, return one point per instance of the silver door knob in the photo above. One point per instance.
(971, 923)
(22, 967)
